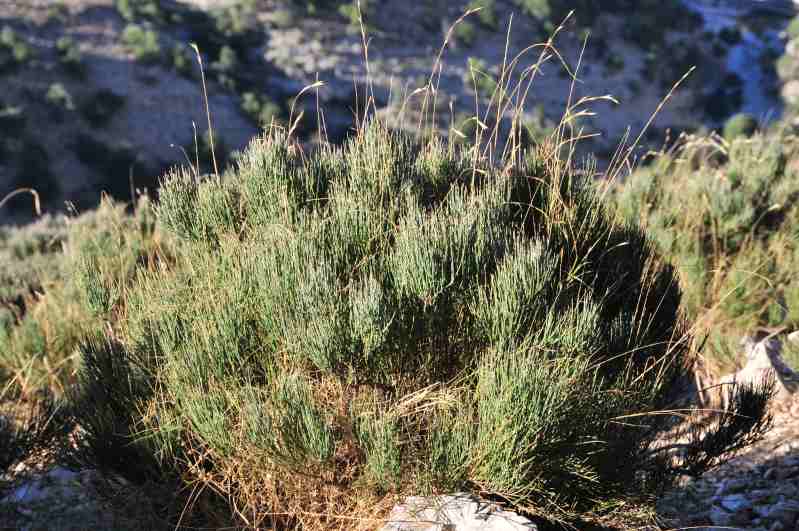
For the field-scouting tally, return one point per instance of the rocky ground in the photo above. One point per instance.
(758, 490)
(63, 500)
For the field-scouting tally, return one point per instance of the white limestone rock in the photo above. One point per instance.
(764, 360)
(457, 512)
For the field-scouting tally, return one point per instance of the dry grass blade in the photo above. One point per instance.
(207, 108)
(36, 203)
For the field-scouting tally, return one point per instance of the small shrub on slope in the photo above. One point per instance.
(143, 43)
(342, 328)
(131, 10)
(61, 275)
(58, 98)
(70, 57)
(14, 51)
(741, 124)
(487, 16)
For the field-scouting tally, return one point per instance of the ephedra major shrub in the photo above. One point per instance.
(395, 317)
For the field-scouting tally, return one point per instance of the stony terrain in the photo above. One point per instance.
(756, 490)
(154, 107)
(759, 488)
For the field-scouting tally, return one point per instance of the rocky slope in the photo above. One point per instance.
(99, 96)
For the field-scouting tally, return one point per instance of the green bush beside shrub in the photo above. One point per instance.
(69, 55)
(142, 43)
(132, 10)
(480, 78)
(41, 290)
(261, 109)
(59, 98)
(793, 28)
(726, 216)
(14, 51)
(465, 33)
(487, 16)
(739, 125)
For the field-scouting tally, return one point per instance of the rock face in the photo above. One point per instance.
(764, 361)
(457, 512)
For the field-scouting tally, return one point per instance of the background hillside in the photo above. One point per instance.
(100, 95)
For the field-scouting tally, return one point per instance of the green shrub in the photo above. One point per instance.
(225, 68)
(487, 16)
(479, 77)
(57, 12)
(200, 152)
(540, 9)
(227, 61)
(28, 253)
(236, 23)
(70, 57)
(466, 126)
(142, 43)
(385, 315)
(725, 216)
(793, 28)
(465, 33)
(283, 18)
(791, 354)
(8, 37)
(132, 10)
(349, 10)
(14, 51)
(261, 109)
(58, 98)
(739, 125)
(183, 60)
(47, 264)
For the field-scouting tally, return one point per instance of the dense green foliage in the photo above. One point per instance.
(70, 56)
(142, 43)
(44, 313)
(395, 315)
(727, 217)
(741, 124)
(14, 51)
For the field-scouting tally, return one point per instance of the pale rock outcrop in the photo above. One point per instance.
(763, 361)
(457, 512)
